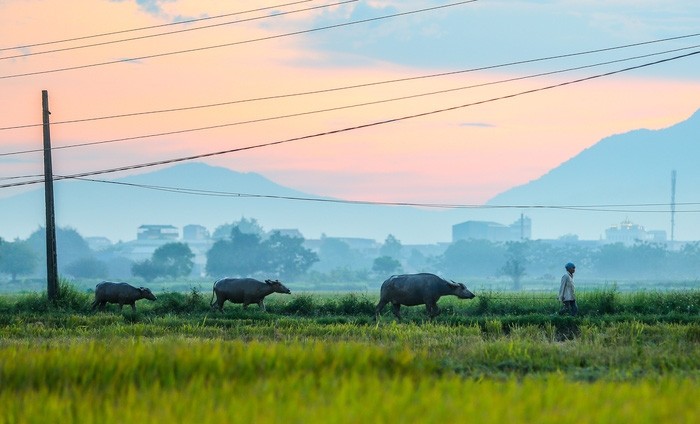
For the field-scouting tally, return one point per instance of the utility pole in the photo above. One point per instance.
(51, 262)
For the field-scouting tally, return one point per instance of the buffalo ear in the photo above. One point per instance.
(268, 282)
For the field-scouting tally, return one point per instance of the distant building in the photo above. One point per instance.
(658, 236)
(359, 243)
(195, 232)
(98, 243)
(629, 233)
(289, 232)
(493, 231)
(151, 237)
(364, 245)
(157, 232)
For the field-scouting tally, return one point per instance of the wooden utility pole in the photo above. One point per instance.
(51, 263)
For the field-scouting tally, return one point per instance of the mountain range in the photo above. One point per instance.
(634, 168)
(210, 196)
(582, 196)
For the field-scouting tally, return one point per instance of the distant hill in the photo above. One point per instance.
(117, 210)
(630, 168)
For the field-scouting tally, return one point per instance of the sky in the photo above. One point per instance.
(397, 101)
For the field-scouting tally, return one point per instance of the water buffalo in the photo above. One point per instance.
(418, 289)
(121, 293)
(245, 291)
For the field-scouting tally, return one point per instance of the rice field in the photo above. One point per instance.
(323, 359)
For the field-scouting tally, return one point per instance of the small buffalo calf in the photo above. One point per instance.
(121, 293)
(245, 291)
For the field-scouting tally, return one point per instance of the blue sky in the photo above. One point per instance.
(486, 32)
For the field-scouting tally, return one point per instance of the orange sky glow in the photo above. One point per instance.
(466, 156)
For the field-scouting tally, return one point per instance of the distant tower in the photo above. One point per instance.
(522, 226)
(673, 205)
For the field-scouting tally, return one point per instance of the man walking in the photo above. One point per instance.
(567, 293)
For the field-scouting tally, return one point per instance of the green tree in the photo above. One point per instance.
(242, 255)
(472, 258)
(335, 253)
(70, 246)
(686, 262)
(649, 260)
(516, 262)
(612, 260)
(174, 259)
(286, 256)
(385, 265)
(515, 269)
(88, 267)
(641, 260)
(418, 261)
(169, 260)
(245, 254)
(249, 226)
(547, 259)
(17, 258)
(147, 269)
(391, 247)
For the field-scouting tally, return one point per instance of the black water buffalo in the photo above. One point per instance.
(245, 291)
(121, 293)
(418, 289)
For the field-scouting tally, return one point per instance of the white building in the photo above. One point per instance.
(629, 233)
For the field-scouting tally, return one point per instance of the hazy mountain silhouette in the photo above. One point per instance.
(117, 209)
(630, 168)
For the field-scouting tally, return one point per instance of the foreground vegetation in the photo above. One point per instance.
(322, 358)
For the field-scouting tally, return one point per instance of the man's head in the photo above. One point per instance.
(570, 267)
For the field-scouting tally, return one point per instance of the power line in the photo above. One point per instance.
(189, 21)
(177, 31)
(271, 37)
(213, 193)
(19, 177)
(362, 126)
(258, 120)
(321, 91)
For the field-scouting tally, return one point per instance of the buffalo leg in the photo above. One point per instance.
(396, 309)
(261, 305)
(220, 303)
(432, 310)
(379, 308)
(133, 306)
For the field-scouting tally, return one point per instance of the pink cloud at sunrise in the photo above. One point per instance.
(467, 155)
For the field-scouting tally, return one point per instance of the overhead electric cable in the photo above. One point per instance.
(188, 21)
(280, 96)
(258, 120)
(213, 193)
(362, 126)
(271, 37)
(19, 177)
(104, 43)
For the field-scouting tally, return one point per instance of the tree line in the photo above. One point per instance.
(243, 248)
